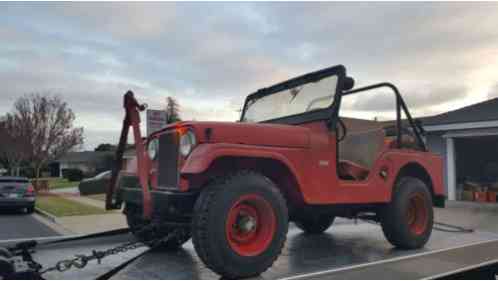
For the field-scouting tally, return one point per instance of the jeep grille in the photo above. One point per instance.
(168, 175)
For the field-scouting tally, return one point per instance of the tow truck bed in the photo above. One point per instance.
(346, 251)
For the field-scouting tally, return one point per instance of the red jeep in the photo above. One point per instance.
(234, 187)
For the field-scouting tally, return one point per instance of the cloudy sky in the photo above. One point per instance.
(211, 55)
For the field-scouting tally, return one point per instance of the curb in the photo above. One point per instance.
(46, 215)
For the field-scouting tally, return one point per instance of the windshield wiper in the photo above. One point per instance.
(294, 92)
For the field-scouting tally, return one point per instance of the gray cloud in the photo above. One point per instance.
(382, 100)
(493, 91)
(210, 55)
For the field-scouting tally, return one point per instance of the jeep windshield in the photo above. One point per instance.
(303, 98)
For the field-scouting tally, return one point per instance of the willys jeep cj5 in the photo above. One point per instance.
(234, 187)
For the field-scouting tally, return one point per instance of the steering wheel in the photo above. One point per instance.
(344, 129)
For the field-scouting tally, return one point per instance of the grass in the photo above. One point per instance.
(55, 183)
(62, 207)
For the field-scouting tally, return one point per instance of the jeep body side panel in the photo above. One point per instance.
(205, 154)
(303, 162)
(378, 188)
(314, 167)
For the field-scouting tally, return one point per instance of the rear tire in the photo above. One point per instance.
(407, 221)
(240, 225)
(30, 209)
(315, 224)
(136, 223)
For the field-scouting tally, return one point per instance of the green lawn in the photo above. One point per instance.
(61, 207)
(55, 183)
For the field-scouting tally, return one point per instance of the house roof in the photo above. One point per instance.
(483, 111)
(84, 156)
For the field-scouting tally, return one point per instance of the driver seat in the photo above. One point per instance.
(358, 152)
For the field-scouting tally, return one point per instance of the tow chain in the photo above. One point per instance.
(81, 261)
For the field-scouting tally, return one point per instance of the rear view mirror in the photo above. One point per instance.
(348, 83)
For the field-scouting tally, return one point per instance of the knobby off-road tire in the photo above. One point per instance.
(407, 221)
(315, 224)
(137, 223)
(240, 225)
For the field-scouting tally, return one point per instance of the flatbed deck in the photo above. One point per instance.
(345, 251)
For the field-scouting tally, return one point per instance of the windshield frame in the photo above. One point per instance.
(299, 118)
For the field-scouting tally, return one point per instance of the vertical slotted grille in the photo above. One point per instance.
(168, 160)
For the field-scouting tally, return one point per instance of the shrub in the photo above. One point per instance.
(72, 174)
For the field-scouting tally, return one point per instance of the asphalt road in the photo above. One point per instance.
(17, 225)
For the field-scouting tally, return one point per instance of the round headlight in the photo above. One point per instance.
(187, 143)
(153, 148)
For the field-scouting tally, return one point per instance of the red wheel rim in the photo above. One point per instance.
(417, 214)
(250, 225)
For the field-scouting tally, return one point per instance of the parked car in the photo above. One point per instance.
(95, 185)
(17, 193)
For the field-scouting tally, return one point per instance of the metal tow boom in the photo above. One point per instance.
(132, 118)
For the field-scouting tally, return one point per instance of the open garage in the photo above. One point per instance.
(467, 138)
(476, 168)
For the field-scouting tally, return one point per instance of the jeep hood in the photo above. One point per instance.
(250, 133)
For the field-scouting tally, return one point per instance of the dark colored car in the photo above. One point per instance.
(95, 185)
(17, 193)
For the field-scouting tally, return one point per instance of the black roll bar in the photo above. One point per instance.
(400, 105)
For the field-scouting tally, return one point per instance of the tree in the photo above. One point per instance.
(13, 145)
(172, 110)
(46, 122)
(105, 147)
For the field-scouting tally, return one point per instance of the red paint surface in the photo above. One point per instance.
(417, 215)
(256, 241)
(318, 184)
(309, 153)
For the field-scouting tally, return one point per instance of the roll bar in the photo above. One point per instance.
(400, 106)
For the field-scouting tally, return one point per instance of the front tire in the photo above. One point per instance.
(408, 219)
(137, 224)
(240, 225)
(315, 224)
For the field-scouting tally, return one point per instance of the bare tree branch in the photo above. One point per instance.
(13, 145)
(46, 122)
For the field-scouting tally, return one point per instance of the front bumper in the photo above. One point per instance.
(170, 203)
(17, 202)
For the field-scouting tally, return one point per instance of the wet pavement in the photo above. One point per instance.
(19, 225)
